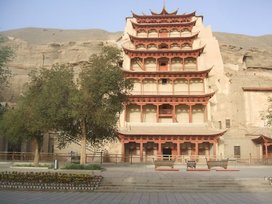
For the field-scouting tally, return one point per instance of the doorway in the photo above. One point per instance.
(163, 66)
(167, 153)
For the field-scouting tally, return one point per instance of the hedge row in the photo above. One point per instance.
(48, 180)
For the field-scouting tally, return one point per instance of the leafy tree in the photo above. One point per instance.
(13, 126)
(269, 112)
(35, 112)
(5, 55)
(101, 94)
(85, 110)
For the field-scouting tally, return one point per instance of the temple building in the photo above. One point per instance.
(169, 57)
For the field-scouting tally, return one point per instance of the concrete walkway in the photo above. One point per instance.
(156, 187)
(13, 197)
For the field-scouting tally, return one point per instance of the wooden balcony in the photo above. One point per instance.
(165, 113)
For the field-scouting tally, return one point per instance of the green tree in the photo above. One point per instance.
(101, 93)
(269, 112)
(84, 110)
(6, 55)
(35, 112)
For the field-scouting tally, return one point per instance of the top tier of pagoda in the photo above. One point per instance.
(164, 17)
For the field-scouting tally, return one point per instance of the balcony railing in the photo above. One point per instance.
(167, 93)
(165, 111)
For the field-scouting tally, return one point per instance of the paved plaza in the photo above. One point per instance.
(142, 184)
(12, 197)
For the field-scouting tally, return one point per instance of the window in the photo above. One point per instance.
(164, 81)
(51, 143)
(237, 152)
(220, 124)
(163, 33)
(165, 109)
(227, 123)
(163, 46)
(163, 65)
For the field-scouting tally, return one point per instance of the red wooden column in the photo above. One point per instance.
(122, 150)
(190, 114)
(266, 150)
(205, 113)
(214, 149)
(196, 149)
(173, 87)
(157, 113)
(206, 147)
(174, 114)
(157, 85)
(159, 153)
(141, 112)
(142, 85)
(203, 85)
(178, 149)
(189, 89)
(143, 64)
(141, 150)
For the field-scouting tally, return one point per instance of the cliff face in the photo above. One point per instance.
(38, 47)
(44, 47)
(253, 52)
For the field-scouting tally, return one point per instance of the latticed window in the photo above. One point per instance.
(237, 151)
(227, 123)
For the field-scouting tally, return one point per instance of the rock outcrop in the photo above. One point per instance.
(39, 47)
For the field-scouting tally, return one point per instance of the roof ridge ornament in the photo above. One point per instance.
(164, 11)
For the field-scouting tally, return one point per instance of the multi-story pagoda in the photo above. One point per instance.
(168, 109)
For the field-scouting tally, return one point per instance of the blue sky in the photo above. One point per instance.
(251, 17)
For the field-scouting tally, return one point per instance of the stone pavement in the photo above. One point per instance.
(161, 187)
(24, 197)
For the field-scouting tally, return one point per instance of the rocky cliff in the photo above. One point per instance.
(39, 47)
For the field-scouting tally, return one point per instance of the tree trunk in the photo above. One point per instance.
(83, 142)
(37, 153)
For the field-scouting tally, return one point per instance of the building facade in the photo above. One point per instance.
(169, 58)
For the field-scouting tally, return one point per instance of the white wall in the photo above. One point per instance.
(256, 105)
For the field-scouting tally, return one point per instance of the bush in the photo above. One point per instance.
(47, 177)
(32, 165)
(83, 167)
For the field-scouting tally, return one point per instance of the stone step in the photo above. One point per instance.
(191, 185)
(225, 183)
(257, 185)
(188, 189)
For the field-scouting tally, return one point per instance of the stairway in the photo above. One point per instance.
(256, 185)
(180, 182)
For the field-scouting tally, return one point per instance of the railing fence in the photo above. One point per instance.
(102, 157)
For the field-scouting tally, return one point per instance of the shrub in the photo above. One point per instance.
(83, 167)
(32, 165)
(47, 177)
